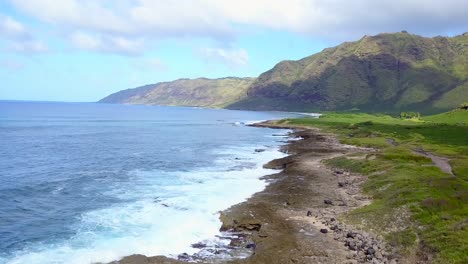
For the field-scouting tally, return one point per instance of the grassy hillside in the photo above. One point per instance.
(418, 208)
(185, 92)
(457, 117)
(386, 72)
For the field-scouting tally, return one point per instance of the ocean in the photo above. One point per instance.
(87, 182)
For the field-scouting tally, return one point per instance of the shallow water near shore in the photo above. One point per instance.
(84, 182)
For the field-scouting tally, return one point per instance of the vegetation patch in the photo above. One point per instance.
(416, 207)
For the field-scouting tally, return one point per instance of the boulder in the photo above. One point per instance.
(370, 251)
(251, 246)
(183, 256)
(199, 245)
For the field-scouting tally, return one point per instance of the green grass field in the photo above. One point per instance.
(417, 207)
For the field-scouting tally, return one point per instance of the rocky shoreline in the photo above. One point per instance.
(296, 219)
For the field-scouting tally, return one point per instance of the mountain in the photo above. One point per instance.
(185, 92)
(386, 72)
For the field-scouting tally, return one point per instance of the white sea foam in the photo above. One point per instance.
(162, 213)
(254, 122)
(316, 115)
(294, 138)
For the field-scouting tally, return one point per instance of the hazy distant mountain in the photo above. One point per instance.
(186, 92)
(386, 72)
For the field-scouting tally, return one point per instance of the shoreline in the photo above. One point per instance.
(296, 218)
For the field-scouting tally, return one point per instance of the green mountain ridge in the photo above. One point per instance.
(386, 72)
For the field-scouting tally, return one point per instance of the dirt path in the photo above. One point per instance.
(441, 162)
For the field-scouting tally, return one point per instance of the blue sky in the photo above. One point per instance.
(83, 50)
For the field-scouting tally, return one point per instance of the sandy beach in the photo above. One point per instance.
(296, 219)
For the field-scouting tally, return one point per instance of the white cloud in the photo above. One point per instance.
(12, 28)
(125, 23)
(214, 17)
(341, 19)
(130, 46)
(150, 64)
(18, 38)
(98, 15)
(28, 46)
(85, 41)
(180, 18)
(110, 44)
(230, 57)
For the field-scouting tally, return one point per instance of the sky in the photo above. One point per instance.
(83, 50)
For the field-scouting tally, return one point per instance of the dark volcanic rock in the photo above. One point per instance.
(251, 246)
(370, 251)
(324, 230)
(183, 256)
(199, 245)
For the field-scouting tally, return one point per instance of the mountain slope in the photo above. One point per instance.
(185, 92)
(386, 72)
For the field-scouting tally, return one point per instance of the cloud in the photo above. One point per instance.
(98, 15)
(218, 18)
(12, 28)
(341, 19)
(130, 17)
(110, 44)
(11, 64)
(150, 64)
(29, 46)
(230, 57)
(125, 24)
(18, 38)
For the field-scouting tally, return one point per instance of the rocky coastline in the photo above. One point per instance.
(297, 218)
